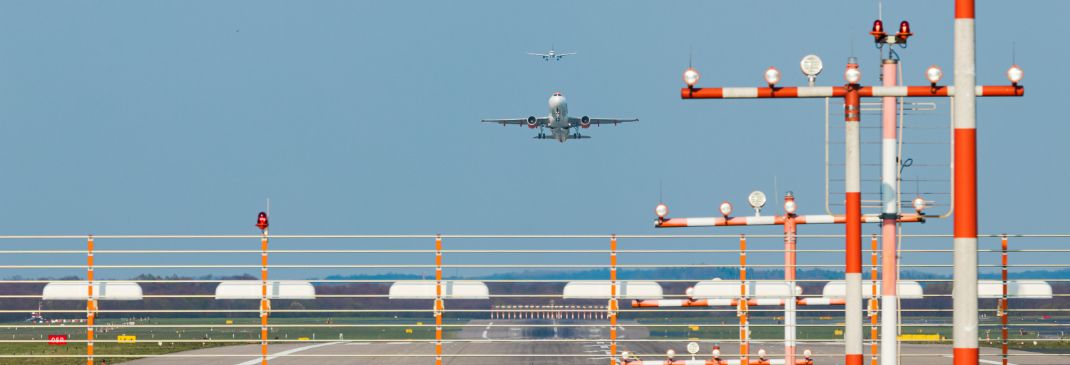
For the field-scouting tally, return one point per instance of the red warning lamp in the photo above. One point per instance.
(262, 221)
(878, 31)
(904, 31)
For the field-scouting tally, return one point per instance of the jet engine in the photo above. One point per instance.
(532, 122)
(585, 122)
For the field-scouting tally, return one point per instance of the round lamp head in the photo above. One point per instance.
(919, 204)
(808, 354)
(811, 65)
(690, 292)
(761, 353)
(1015, 74)
(669, 354)
(661, 210)
(691, 77)
(789, 204)
(878, 26)
(934, 74)
(716, 353)
(262, 221)
(772, 76)
(852, 75)
(756, 199)
(726, 209)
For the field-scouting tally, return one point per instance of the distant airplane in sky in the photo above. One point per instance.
(561, 126)
(552, 55)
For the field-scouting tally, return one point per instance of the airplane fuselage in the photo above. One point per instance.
(559, 126)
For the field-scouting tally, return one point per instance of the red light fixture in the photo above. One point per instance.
(904, 32)
(262, 221)
(878, 31)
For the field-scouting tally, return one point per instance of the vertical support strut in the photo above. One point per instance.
(613, 300)
(90, 304)
(1004, 303)
(744, 324)
(853, 307)
(439, 307)
(789, 276)
(873, 306)
(265, 303)
(964, 285)
(889, 219)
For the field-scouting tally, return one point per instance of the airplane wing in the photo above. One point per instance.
(518, 121)
(600, 121)
(566, 54)
(538, 54)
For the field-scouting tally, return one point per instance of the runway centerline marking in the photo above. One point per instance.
(288, 352)
(487, 329)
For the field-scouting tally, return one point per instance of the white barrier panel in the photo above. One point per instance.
(838, 289)
(450, 290)
(724, 289)
(277, 289)
(600, 290)
(1022, 289)
(79, 290)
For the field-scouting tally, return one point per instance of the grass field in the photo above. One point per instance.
(167, 335)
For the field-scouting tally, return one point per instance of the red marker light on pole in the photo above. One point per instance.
(262, 221)
(878, 31)
(904, 31)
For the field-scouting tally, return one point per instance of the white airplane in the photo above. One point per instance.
(551, 55)
(560, 124)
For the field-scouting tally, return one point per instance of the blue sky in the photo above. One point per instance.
(362, 117)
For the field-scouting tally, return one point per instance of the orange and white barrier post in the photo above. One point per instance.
(964, 280)
(744, 323)
(265, 302)
(873, 306)
(1004, 303)
(91, 303)
(439, 305)
(612, 313)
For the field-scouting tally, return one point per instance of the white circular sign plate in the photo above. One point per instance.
(692, 348)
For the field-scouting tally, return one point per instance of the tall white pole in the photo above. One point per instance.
(964, 286)
(889, 217)
(852, 333)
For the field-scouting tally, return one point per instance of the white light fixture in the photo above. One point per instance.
(772, 76)
(807, 354)
(789, 204)
(692, 348)
(661, 210)
(716, 353)
(934, 74)
(726, 209)
(669, 354)
(1015, 74)
(756, 199)
(690, 292)
(761, 354)
(691, 77)
(919, 204)
(853, 75)
(811, 65)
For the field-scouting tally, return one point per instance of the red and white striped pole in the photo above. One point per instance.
(964, 286)
(265, 302)
(890, 215)
(853, 196)
(789, 277)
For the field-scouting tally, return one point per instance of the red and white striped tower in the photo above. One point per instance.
(852, 333)
(964, 286)
(789, 277)
(889, 215)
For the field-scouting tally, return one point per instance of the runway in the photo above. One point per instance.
(506, 341)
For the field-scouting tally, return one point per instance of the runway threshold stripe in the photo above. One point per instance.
(288, 352)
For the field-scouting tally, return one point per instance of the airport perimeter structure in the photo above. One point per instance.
(552, 319)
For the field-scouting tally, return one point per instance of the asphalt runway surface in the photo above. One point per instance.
(491, 342)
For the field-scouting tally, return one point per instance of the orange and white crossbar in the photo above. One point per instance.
(732, 302)
(773, 220)
(840, 91)
(715, 362)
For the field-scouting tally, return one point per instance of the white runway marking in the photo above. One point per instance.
(359, 343)
(288, 352)
(398, 343)
(487, 329)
